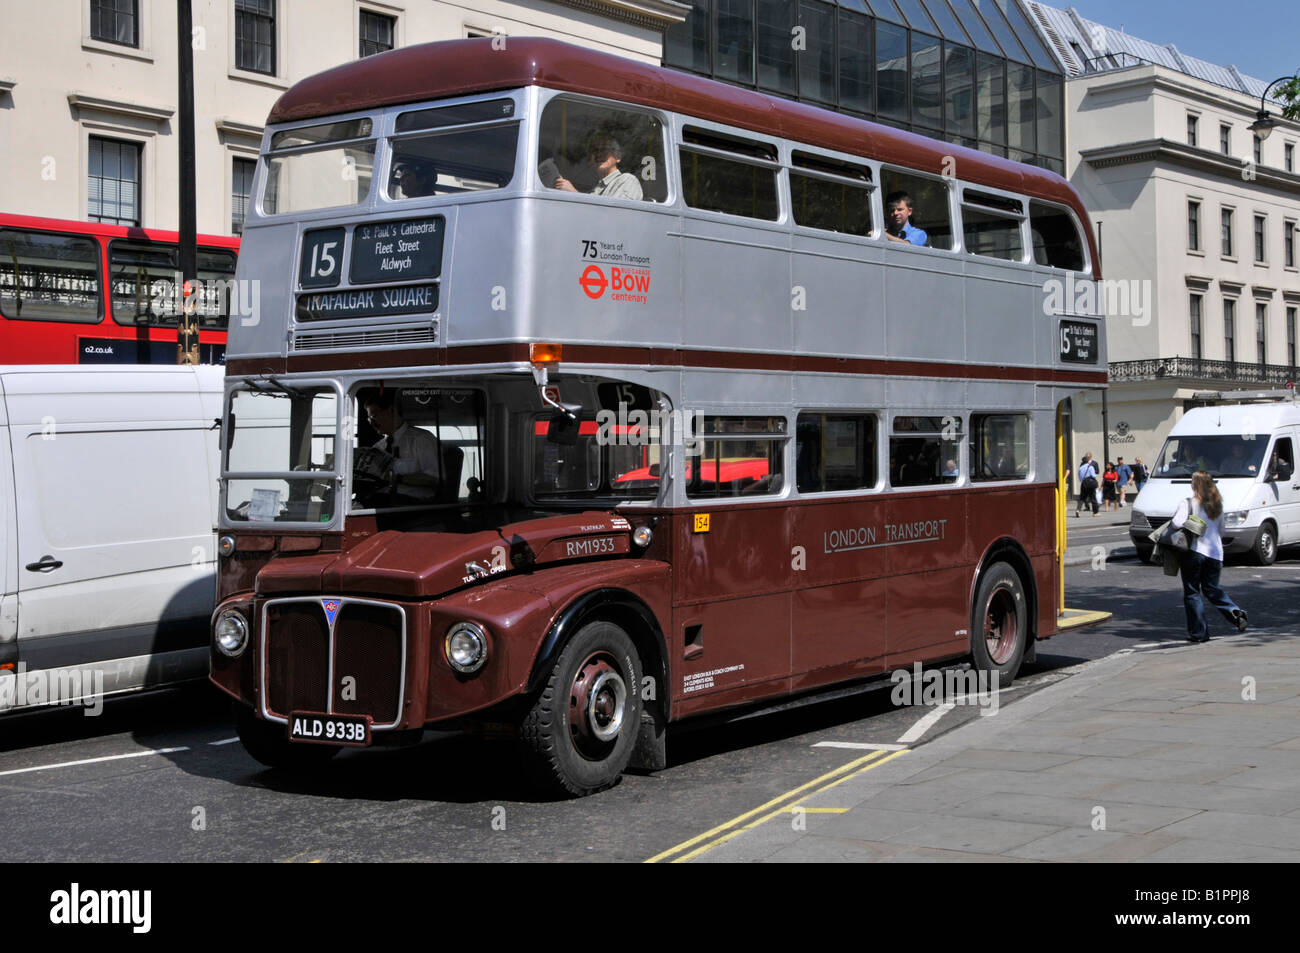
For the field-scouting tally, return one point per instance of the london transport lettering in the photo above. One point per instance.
(629, 281)
(866, 537)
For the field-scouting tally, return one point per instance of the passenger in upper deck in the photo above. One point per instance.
(898, 212)
(605, 155)
(414, 176)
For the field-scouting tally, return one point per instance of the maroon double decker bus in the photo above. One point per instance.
(590, 397)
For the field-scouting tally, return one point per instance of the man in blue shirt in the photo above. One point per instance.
(898, 209)
(1087, 485)
(1125, 478)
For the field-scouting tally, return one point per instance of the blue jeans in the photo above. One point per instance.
(1201, 582)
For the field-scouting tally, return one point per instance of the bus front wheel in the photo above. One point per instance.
(579, 733)
(999, 623)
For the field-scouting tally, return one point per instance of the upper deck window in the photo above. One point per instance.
(737, 456)
(991, 225)
(830, 194)
(321, 166)
(1055, 237)
(602, 150)
(143, 284)
(916, 209)
(46, 277)
(722, 173)
(467, 147)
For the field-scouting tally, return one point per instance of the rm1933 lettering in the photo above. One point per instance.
(589, 547)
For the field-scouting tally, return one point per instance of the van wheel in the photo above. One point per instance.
(579, 734)
(999, 623)
(1265, 549)
(267, 743)
(1144, 553)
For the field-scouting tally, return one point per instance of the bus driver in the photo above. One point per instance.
(605, 155)
(417, 466)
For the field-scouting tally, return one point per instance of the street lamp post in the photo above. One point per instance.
(1264, 123)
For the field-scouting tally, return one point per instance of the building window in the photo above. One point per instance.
(1192, 122)
(1261, 332)
(114, 182)
(1288, 243)
(115, 21)
(1260, 225)
(1193, 226)
(255, 36)
(1195, 315)
(1259, 151)
(1229, 330)
(241, 187)
(1225, 139)
(1288, 156)
(377, 33)
(1225, 228)
(1290, 336)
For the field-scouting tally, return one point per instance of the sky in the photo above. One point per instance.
(1259, 37)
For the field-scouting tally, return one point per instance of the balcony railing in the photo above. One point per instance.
(1198, 369)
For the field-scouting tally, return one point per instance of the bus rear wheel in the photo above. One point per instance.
(579, 733)
(999, 623)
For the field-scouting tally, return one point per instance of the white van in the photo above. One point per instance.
(1250, 450)
(108, 479)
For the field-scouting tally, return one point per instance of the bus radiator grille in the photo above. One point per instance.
(297, 658)
(368, 651)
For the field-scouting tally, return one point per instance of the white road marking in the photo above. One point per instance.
(858, 746)
(224, 741)
(1147, 645)
(921, 727)
(73, 764)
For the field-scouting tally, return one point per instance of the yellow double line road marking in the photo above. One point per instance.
(782, 804)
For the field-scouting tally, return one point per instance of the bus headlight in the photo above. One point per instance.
(230, 634)
(642, 536)
(226, 545)
(1236, 518)
(466, 647)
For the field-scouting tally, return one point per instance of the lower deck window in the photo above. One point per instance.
(999, 447)
(925, 451)
(737, 456)
(835, 452)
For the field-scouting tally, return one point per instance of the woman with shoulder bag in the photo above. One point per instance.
(1203, 561)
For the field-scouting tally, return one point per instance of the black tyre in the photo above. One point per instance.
(266, 741)
(1265, 550)
(1144, 552)
(999, 623)
(579, 733)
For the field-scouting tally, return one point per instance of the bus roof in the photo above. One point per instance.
(449, 68)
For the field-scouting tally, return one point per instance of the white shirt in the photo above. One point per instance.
(1211, 544)
(619, 185)
(417, 451)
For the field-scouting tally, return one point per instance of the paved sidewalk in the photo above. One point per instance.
(1152, 755)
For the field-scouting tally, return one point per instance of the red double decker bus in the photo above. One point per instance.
(87, 293)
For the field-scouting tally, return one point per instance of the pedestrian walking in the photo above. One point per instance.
(1125, 479)
(1087, 485)
(1109, 479)
(1140, 474)
(1203, 561)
